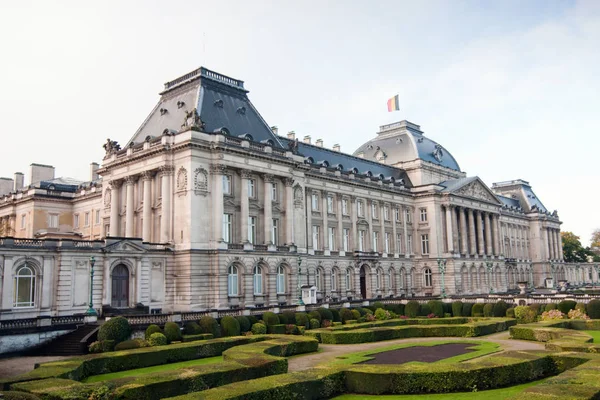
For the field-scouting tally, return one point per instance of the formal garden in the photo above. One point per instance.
(432, 350)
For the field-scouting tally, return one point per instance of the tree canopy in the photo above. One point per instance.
(574, 251)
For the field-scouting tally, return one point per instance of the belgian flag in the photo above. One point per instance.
(394, 104)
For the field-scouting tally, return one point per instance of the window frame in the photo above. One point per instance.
(330, 205)
(316, 236)
(76, 221)
(51, 219)
(386, 213)
(252, 222)
(331, 237)
(344, 206)
(274, 193)
(407, 216)
(86, 219)
(31, 287)
(257, 280)
(275, 231)
(386, 243)
(227, 227)
(346, 239)
(334, 280)
(252, 188)
(315, 202)
(227, 185)
(423, 214)
(361, 240)
(425, 243)
(233, 281)
(360, 208)
(280, 281)
(427, 277)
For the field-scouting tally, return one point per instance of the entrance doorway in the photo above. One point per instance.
(363, 282)
(120, 287)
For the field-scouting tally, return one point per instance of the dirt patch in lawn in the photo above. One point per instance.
(419, 353)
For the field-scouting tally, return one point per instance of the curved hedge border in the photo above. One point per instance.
(242, 363)
(359, 333)
(560, 335)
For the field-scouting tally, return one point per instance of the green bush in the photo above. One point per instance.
(314, 323)
(355, 314)
(117, 329)
(107, 345)
(412, 309)
(381, 314)
(346, 314)
(279, 329)
(200, 336)
(466, 311)
(244, 323)
(230, 326)
(335, 315)
(157, 339)
(397, 309)
(152, 329)
(581, 307)
(447, 308)
(172, 332)
(500, 308)
(270, 318)
(436, 307)
(477, 310)
(302, 319)
(537, 308)
(131, 344)
(209, 325)
(424, 310)
(191, 328)
(510, 312)
(524, 315)
(95, 347)
(593, 309)
(13, 395)
(258, 329)
(457, 308)
(325, 314)
(287, 317)
(252, 319)
(488, 310)
(550, 306)
(566, 305)
(315, 315)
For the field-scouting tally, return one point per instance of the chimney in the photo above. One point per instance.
(319, 142)
(6, 186)
(41, 172)
(275, 129)
(93, 174)
(336, 147)
(291, 135)
(307, 139)
(19, 181)
(360, 154)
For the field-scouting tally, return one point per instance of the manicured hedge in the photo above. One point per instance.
(210, 325)
(499, 309)
(559, 335)
(200, 336)
(117, 329)
(270, 318)
(566, 305)
(457, 309)
(278, 329)
(477, 310)
(593, 309)
(244, 323)
(152, 329)
(412, 309)
(18, 396)
(172, 332)
(230, 326)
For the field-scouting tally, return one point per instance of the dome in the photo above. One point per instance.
(404, 141)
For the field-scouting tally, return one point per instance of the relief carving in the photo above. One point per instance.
(182, 179)
(476, 190)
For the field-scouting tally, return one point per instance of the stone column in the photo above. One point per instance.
(395, 230)
(147, 207)
(340, 227)
(557, 244)
(511, 242)
(369, 210)
(325, 214)
(114, 207)
(449, 232)
(455, 239)
(545, 246)
(496, 231)
(289, 210)
(353, 216)
(407, 249)
(308, 193)
(481, 247)
(526, 242)
(463, 231)
(472, 243)
(550, 244)
(129, 184)
(488, 233)
(244, 205)
(217, 171)
(382, 228)
(560, 248)
(518, 242)
(165, 224)
(268, 208)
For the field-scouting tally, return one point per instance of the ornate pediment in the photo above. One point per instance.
(477, 190)
(125, 246)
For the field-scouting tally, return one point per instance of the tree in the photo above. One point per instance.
(595, 245)
(573, 250)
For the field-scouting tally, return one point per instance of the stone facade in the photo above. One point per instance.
(237, 210)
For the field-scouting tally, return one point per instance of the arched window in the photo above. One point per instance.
(428, 277)
(402, 279)
(319, 279)
(348, 279)
(378, 276)
(333, 280)
(24, 288)
(257, 280)
(232, 281)
(390, 278)
(280, 279)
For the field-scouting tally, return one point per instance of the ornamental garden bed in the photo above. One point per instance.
(560, 335)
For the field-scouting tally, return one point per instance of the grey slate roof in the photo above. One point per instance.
(509, 201)
(61, 184)
(453, 184)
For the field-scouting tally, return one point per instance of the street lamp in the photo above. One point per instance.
(442, 268)
(91, 310)
(489, 264)
(300, 302)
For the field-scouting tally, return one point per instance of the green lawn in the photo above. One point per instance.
(480, 348)
(156, 368)
(495, 394)
(595, 335)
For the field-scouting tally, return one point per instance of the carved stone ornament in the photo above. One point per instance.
(288, 182)
(200, 181)
(110, 147)
(107, 196)
(182, 178)
(147, 175)
(246, 174)
(217, 169)
(269, 178)
(193, 120)
(166, 170)
(438, 153)
(298, 197)
(476, 190)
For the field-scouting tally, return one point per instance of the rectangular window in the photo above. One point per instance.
(53, 221)
(345, 206)
(252, 230)
(97, 217)
(315, 202)
(374, 210)
(386, 213)
(330, 204)
(407, 216)
(361, 240)
(361, 211)
(346, 239)
(375, 241)
(274, 192)
(387, 242)
(227, 224)
(409, 250)
(423, 214)
(227, 184)
(76, 221)
(275, 232)
(251, 188)
(23, 221)
(86, 219)
(399, 243)
(315, 236)
(425, 244)
(331, 233)
(397, 214)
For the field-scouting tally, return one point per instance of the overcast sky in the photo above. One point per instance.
(510, 88)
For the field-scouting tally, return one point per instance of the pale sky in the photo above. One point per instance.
(510, 88)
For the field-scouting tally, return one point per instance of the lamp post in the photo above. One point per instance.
(300, 302)
(91, 310)
(442, 269)
(489, 265)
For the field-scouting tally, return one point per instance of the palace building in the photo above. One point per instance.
(208, 207)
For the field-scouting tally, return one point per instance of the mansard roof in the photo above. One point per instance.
(221, 102)
(522, 192)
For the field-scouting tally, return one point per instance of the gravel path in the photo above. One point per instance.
(19, 365)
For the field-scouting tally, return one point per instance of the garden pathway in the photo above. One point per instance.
(328, 352)
(19, 365)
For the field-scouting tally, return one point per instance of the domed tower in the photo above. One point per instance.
(403, 145)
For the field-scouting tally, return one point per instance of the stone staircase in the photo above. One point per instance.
(69, 344)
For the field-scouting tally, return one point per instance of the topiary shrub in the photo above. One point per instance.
(152, 329)
(95, 347)
(537, 308)
(510, 312)
(377, 305)
(566, 305)
(314, 323)
(244, 323)
(107, 345)
(436, 307)
(252, 319)
(500, 308)
(477, 310)
(270, 318)
(172, 332)
(325, 313)
(355, 314)
(259, 329)
(457, 308)
(466, 311)
(397, 309)
(191, 328)
(412, 309)
(346, 315)
(381, 314)
(117, 329)
(336, 315)
(581, 307)
(209, 325)
(550, 306)
(488, 310)
(131, 344)
(364, 311)
(524, 315)
(157, 339)
(447, 308)
(593, 309)
(424, 310)
(287, 317)
(315, 315)
(230, 326)
(302, 319)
